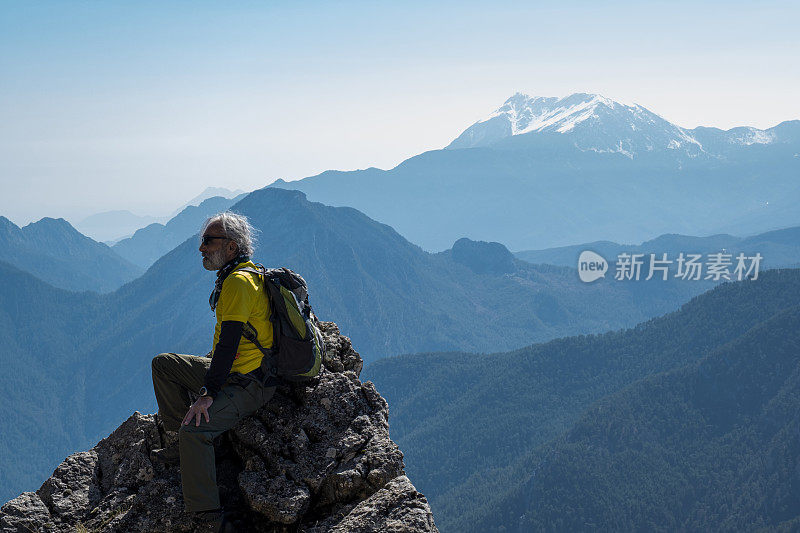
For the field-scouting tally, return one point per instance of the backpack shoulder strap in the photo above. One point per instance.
(268, 363)
(259, 271)
(250, 333)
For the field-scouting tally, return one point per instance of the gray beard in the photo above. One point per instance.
(215, 260)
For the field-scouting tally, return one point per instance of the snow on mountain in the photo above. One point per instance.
(528, 114)
(748, 136)
(594, 123)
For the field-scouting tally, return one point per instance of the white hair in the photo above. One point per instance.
(237, 228)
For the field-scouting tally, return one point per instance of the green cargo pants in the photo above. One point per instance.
(174, 377)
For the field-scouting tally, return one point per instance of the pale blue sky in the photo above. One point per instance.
(141, 105)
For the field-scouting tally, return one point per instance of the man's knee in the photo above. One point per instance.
(161, 362)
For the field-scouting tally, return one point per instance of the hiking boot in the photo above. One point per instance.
(212, 522)
(170, 455)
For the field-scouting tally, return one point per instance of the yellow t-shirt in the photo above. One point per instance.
(243, 299)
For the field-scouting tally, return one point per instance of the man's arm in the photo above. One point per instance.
(230, 334)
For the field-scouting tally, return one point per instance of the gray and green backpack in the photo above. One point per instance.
(297, 346)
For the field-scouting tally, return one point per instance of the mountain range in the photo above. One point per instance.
(145, 246)
(545, 172)
(497, 440)
(556, 436)
(592, 122)
(52, 250)
(601, 125)
(112, 226)
(57, 253)
(387, 294)
(210, 192)
(778, 248)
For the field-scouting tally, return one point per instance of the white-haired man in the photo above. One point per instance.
(230, 384)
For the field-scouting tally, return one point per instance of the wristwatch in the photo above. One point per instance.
(203, 391)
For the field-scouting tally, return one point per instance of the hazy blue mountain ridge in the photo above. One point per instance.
(210, 192)
(112, 225)
(778, 248)
(387, 294)
(600, 179)
(54, 251)
(465, 421)
(145, 246)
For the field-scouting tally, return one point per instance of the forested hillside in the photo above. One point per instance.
(42, 384)
(711, 446)
(465, 420)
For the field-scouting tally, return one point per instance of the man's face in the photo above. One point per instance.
(216, 248)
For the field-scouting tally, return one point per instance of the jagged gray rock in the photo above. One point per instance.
(398, 507)
(316, 458)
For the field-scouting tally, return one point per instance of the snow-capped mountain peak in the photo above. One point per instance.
(527, 114)
(592, 121)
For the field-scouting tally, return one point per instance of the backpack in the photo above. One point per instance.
(297, 346)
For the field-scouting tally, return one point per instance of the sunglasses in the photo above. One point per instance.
(205, 239)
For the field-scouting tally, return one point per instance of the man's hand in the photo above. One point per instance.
(199, 407)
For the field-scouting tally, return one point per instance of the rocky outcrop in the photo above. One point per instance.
(483, 257)
(316, 458)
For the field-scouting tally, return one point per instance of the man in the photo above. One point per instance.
(229, 384)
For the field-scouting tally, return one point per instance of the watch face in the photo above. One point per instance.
(203, 391)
